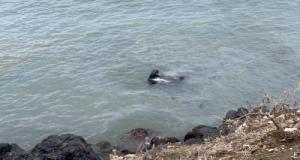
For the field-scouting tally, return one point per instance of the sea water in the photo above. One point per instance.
(81, 66)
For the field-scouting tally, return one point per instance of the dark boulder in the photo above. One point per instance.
(135, 140)
(226, 128)
(13, 152)
(64, 147)
(200, 133)
(103, 149)
(156, 141)
(232, 114)
(242, 111)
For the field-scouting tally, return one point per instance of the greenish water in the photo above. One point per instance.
(80, 66)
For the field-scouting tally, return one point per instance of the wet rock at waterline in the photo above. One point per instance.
(13, 152)
(233, 114)
(200, 133)
(64, 147)
(156, 141)
(226, 128)
(103, 149)
(135, 140)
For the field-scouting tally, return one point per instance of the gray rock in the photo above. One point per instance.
(135, 140)
(224, 128)
(200, 133)
(232, 114)
(103, 149)
(13, 152)
(156, 141)
(242, 111)
(64, 147)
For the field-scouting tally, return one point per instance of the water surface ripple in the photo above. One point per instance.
(80, 66)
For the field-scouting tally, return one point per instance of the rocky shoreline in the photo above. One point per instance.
(69, 146)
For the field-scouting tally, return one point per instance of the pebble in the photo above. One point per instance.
(271, 150)
(130, 156)
(290, 129)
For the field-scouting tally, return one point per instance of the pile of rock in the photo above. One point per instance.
(55, 147)
(72, 147)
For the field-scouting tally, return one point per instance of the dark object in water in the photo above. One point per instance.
(155, 77)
